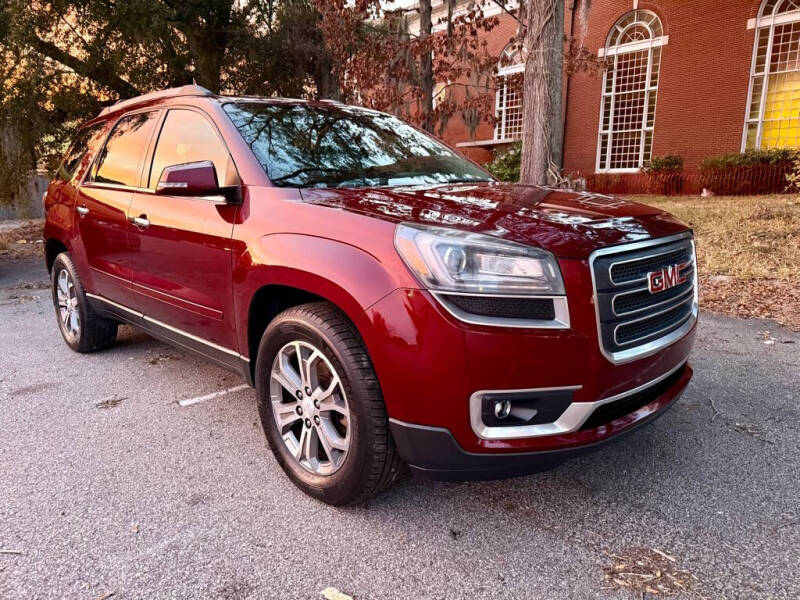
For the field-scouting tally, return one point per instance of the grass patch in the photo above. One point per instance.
(746, 237)
(748, 253)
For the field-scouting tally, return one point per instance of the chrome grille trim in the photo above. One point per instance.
(624, 262)
(609, 320)
(655, 333)
(628, 313)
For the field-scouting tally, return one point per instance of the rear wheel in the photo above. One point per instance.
(81, 327)
(321, 406)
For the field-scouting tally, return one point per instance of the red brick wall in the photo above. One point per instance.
(703, 85)
(702, 93)
(456, 131)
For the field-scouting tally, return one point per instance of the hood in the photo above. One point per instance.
(568, 224)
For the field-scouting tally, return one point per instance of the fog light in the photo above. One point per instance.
(502, 408)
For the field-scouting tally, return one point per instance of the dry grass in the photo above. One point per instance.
(750, 237)
(748, 251)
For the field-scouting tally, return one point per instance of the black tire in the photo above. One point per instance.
(94, 332)
(371, 463)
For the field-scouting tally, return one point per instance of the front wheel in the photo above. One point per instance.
(321, 407)
(81, 327)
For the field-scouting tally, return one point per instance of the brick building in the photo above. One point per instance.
(696, 78)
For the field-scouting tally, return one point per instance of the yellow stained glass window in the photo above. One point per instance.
(773, 116)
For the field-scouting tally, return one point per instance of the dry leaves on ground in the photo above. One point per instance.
(648, 570)
(752, 298)
(24, 241)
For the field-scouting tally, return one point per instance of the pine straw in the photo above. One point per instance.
(647, 570)
(748, 251)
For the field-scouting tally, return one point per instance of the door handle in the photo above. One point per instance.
(82, 210)
(141, 221)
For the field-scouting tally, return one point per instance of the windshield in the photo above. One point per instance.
(302, 145)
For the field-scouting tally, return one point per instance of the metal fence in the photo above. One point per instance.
(727, 181)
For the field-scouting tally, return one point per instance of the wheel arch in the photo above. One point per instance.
(285, 270)
(52, 248)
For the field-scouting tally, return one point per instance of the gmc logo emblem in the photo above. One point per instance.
(666, 278)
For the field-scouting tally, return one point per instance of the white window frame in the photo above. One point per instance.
(503, 74)
(762, 22)
(612, 53)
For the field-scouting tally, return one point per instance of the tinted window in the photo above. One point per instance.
(120, 160)
(186, 137)
(85, 140)
(332, 145)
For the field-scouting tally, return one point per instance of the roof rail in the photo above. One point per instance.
(185, 90)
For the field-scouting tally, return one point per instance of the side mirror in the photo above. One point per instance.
(196, 179)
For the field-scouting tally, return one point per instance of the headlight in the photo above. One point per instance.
(449, 260)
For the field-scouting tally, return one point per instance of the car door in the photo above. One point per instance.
(102, 203)
(180, 253)
(60, 202)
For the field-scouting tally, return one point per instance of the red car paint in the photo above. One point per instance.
(199, 266)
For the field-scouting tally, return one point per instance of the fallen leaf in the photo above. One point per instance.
(331, 593)
(110, 402)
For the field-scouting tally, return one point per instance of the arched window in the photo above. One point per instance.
(630, 90)
(773, 115)
(508, 95)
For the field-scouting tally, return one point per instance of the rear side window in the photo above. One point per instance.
(78, 154)
(187, 136)
(121, 159)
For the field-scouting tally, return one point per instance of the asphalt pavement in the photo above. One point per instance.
(111, 488)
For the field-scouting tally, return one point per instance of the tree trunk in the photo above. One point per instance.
(426, 66)
(207, 48)
(325, 78)
(541, 125)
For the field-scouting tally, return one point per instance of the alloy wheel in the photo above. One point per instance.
(68, 304)
(310, 407)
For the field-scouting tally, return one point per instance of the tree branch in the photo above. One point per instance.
(505, 9)
(101, 73)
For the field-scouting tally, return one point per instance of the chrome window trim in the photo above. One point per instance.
(181, 332)
(213, 199)
(570, 420)
(650, 348)
(560, 305)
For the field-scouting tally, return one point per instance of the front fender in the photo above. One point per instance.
(347, 276)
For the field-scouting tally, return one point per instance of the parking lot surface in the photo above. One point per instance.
(110, 487)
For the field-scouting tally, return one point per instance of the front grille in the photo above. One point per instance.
(648, 327)
(632, 302)
(624, 406)
(632, 321)
(624, 271)
(539, 309)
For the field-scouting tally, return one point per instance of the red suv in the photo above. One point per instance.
(389, 301)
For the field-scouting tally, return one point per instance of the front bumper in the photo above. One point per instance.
(435, 453)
